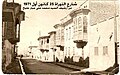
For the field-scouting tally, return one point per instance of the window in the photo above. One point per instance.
(59, 34)
(69, 33)
(68, 51)
(47, 40)
(95, 50)
(66, 34)
(3, 28)
(62, 34)
(42, 42)
(79, 23)
(85, 24)
(85, 6)
(72, 31)
(75, 24)
(74, 21)
(105, 50)
(18, 32)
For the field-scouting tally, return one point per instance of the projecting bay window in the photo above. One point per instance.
(80, 35)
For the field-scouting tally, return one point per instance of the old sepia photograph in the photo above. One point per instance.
(60, 37)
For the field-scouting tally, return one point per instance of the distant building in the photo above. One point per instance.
(32, 51)
(47, 47)
(12, 15)
(44, 48)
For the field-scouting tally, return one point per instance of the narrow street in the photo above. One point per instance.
(32, 66)
(60, 37)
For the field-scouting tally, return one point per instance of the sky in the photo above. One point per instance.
(39, 21)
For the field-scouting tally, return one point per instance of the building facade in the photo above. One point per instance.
(102, 34)
(12, 15)
(69, 45)
(59, 42)
(71, 50)
(46, 51)
(102, 45)
(80, 29)
(32, 51)
(52, 45)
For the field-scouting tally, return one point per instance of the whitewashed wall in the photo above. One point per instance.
(99, 36)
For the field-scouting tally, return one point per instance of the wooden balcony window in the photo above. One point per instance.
(85, 24)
